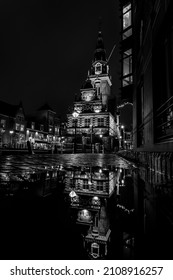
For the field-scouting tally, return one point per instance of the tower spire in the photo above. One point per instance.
(100, 23)
(100, 53)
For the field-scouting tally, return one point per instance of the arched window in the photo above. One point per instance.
(95, 250)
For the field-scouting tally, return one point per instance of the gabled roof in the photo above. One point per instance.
(45, 107)
(8, 109)
(87, 84)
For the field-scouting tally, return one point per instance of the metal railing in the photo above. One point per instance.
(164, 121)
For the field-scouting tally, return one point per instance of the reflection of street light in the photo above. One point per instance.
(75, 116)
(91, 126)
(122, 133)
(11, 133)
(101, 137)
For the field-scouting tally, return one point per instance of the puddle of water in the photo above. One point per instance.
(94, 206)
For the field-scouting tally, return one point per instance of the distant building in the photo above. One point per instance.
(12, 125)
(93, 125)
(43, 129)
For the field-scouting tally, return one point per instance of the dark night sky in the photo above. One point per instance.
(47, 48)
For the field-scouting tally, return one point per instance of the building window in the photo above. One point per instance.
(127, 21)
(127, 80)
(41, 127)
(98, 68)
(95, 249)
(22, 127)
(75, 122)
(17, 126)
(50, 121)
(100, 186)
(32, 125)
(127, 62)
(85, 185)
(20, 118)
(3, 123)
(100, 121)
(127, 68)
(87, 122)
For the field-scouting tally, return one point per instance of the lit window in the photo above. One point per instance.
(17, 126)
(100, 121)
(84, 215)
(22, 127)
(127, 62)
(127, 33)
(97, 108)
(127, 67)
(32, 125)
(100, 186)
(127, 21)
(85, 185)
(98, 68)
(95, 250)
(3, 123)
(87, 122)
(127, 80)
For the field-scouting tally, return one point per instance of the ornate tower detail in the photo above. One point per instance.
(99, 73)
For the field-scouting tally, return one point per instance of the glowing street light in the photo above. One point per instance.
(123, 135)
(75, 116)
(11, 133)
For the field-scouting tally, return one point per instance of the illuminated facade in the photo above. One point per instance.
(43, 129)
(91, 181)
(94, 125)
(12, 126)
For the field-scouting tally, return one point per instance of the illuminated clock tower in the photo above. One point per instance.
(99, 73)
(92, 120)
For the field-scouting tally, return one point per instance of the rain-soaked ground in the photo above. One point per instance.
(83, 206)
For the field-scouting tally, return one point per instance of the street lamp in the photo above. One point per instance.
(75, 117)
(123, 135)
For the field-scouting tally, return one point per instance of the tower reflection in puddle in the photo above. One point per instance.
(89, 190)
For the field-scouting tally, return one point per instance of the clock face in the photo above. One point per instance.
(87, 96)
